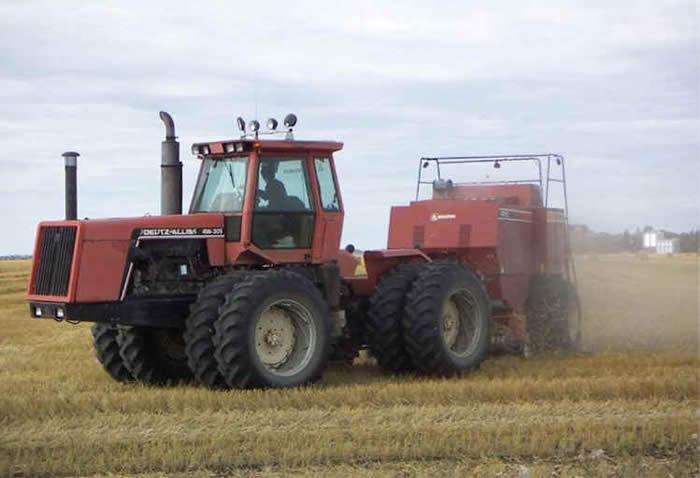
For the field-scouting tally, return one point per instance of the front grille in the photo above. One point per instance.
(54, 260)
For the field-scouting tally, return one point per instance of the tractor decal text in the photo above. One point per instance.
(188, 232)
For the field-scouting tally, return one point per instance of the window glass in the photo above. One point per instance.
(329, 196)
(282, 186)
(284, 217)
(221, 185)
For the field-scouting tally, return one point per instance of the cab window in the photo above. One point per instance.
(329, 195)
(282, 185)
(284, 215)
(221, 185)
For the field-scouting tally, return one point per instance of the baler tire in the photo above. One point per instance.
(107, 351)
(146, 358)
(247, 306)
(384, 318)
(437, 288)
(200, 331)
(551, 305)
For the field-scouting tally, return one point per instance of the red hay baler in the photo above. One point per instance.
(250, 288)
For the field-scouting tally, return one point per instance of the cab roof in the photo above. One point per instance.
(230, 146)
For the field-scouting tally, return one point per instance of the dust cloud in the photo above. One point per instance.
(639, 302)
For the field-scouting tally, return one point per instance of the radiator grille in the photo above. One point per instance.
(54, 261)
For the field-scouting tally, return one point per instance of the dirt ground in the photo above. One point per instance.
(629, 407)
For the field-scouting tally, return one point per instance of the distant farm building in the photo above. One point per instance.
(661, 243)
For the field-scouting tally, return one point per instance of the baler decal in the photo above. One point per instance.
(442, 217)
(515, 215)
(555, 216)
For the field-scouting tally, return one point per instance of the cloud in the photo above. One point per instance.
(614, 88)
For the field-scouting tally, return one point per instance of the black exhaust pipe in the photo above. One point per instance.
(71, 159)
(170, 170)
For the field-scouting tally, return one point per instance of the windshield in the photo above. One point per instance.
(221, 185)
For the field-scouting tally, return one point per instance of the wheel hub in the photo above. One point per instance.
(274, 337)
(450, 323)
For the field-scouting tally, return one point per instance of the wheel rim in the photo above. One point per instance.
(285, 337)
(460, 323)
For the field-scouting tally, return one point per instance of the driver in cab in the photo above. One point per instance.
(274, 193)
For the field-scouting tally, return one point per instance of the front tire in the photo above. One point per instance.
(154, 355)
(200, 330)
(107, 351)
(273, 331)
(447, 320)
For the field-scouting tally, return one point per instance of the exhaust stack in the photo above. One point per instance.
(170, 170)
(71, 160)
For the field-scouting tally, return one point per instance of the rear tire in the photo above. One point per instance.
(200, 330)
(447, 320)
(552, 316)
(107, 351)
(154, 355)
(385, 316)
(273, 331)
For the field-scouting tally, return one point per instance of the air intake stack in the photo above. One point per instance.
(170, 170)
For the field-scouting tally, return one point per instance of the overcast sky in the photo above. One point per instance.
(611, 85)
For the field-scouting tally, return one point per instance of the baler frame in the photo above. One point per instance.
(543, 181)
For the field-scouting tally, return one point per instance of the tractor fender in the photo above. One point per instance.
(378, 262)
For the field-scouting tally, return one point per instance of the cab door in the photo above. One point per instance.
(330, 210)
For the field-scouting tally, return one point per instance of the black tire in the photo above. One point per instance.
(107, 351)
(200, 331)
(154, 355)
(385, 317)
(437, 288)
(552, 315)
(242, 332)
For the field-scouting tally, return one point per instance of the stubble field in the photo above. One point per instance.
(627, 407)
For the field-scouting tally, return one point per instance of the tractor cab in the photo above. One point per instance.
(278, 196)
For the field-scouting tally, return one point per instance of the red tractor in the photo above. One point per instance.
(250, 288)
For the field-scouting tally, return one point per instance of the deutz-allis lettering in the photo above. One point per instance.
(251, 289)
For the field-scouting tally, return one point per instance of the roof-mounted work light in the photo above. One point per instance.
(290, 120)
(271, 124)
(241, 124)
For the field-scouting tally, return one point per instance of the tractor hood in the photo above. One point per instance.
(88, 260)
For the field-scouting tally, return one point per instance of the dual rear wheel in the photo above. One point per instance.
(433, 318)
